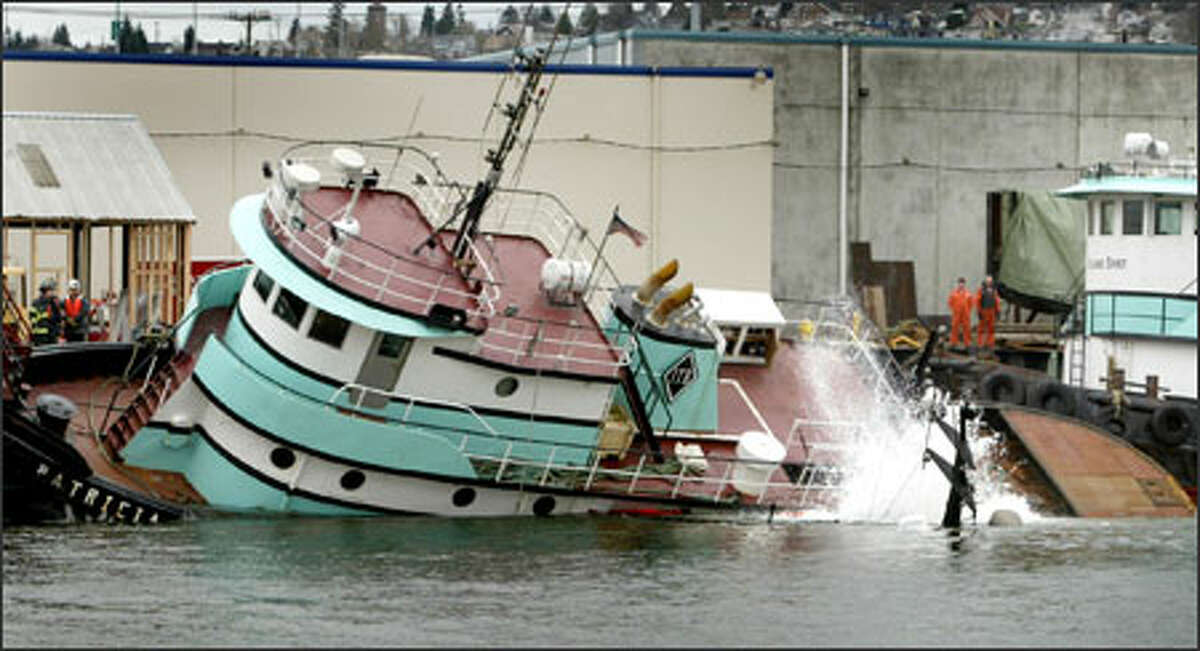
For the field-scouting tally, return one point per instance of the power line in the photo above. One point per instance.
(585, 139)
(916, 165)
(983, 109)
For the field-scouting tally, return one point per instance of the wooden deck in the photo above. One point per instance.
(1099, 475)
(783, 394)
(94, 395)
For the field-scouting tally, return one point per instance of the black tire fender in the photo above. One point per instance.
(1170, 425)
(1002, 386)
(1054, 397)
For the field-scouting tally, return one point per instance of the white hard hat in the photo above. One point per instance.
(73, 285)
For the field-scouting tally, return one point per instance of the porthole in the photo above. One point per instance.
(544, 505)
(463, 497)
(283, 458)
(353, 479)
(506, 386)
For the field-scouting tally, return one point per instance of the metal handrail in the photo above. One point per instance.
(546, 220)
(630, 477)
(750, 405)
(487, 298)
(363, 390)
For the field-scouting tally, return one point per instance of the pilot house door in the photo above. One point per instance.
(381, 368)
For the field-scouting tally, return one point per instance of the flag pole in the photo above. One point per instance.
(587, 286)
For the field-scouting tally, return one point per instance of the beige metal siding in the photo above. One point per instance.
(710, 205)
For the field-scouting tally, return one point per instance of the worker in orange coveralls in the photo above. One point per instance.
(960, 314)
(987, 302)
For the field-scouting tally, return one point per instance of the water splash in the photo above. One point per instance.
(883, 438)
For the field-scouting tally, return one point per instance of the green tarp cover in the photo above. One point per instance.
(1043, 244)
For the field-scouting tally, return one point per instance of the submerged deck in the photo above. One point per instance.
(391, 266)
(1098, 475)
(102, 398)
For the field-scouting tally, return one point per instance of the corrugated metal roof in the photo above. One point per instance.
(106, 168)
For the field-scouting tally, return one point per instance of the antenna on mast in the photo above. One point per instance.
(515, 112)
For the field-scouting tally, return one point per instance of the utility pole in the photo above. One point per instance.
(195, 32)
(250, 17)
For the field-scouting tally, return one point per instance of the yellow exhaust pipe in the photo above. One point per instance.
(672, 302)
(646, 292)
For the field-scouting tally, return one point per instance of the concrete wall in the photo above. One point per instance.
(938, 127)
(687, 157)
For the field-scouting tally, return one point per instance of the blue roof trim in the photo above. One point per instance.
(878, 41)
(433, 66)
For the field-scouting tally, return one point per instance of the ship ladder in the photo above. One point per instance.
(1077, 363)
(153, 393)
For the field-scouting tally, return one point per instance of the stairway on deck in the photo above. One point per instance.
(164, 382)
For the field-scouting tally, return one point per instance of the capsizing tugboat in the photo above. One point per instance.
(399, 343)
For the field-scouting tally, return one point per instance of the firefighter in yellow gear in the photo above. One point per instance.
(45, 315)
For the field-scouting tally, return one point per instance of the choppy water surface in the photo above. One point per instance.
(599, 581)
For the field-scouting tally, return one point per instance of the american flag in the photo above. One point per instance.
(618, 225)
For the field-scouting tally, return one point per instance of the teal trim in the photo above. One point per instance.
(312, 424)
(242, 344)
(214, 289)
(223, 485)
(1141, 315)
(536, 441)
(932, 43)
(695, 407)
(1160, 185)
(245, 222)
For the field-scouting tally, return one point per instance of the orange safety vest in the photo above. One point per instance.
(73, 307)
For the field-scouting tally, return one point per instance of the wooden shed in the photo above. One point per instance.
(90, 197)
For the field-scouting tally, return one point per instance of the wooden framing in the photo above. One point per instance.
(159, 268)
(156, 260)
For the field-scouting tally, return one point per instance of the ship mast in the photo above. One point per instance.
(495, 158)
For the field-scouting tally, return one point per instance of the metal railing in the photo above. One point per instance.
(539, 215)
(669, 479)
(395, 282)
(1172, 167)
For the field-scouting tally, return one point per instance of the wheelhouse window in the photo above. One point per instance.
(1146, 315)
(1108, 217)
(1168, 218)
(328, 328)
(1131, 218)
(263, 284)
(289, 307)
(1091, 219)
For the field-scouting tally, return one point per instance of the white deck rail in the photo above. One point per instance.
(538, 215)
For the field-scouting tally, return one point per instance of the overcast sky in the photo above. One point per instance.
(166, 21)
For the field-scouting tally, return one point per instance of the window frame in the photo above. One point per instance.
(1108, 221)
(1141, 216)
(260, 275)
(1178, 205)
(280, 298)
(318, 329)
